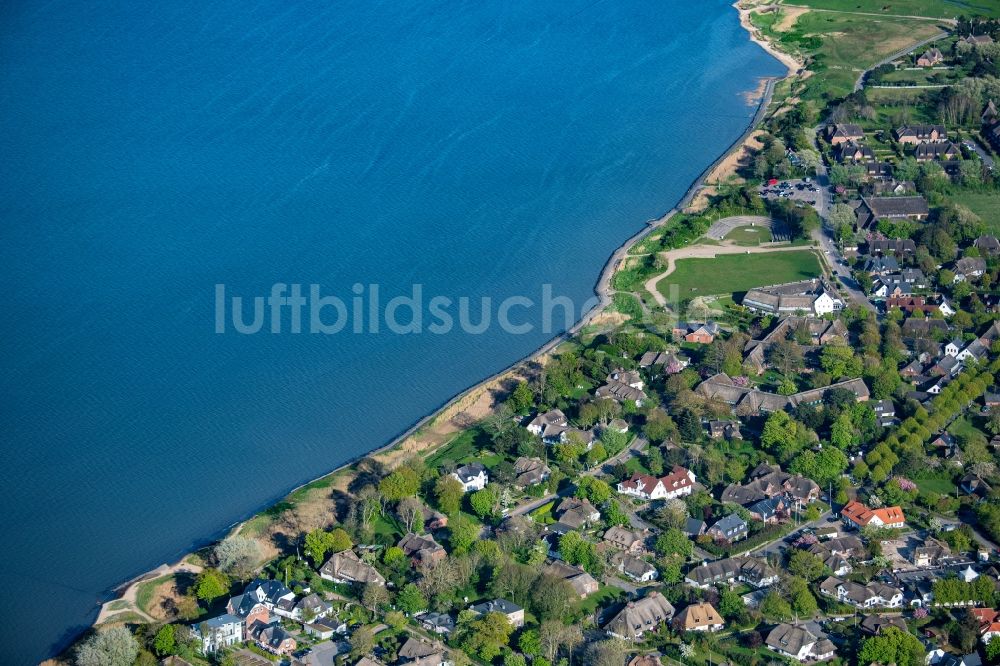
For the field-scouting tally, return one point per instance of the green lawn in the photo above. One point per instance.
(464, 446)
(933, 8)
(144, 593)
(985, 205)
(729, 274)
(939, 486)
(749, 235)
(603, 597)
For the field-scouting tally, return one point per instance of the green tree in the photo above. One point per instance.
(318, 544)
(211, 584)
(485, 502)
(674, 543)
(593, 489)
(485, 636)
(521, 398)
(404, 482)
(448, 491)
(731, 604)
(165, 641)
(993, 649)
(892, 646)
(362, 642)
(804, 564)
(614, 514)
(463, 533)
(774, 607)
(411, 599)
(340, 541)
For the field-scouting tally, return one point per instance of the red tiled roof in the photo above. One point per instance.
(678, 478)
(858, 513)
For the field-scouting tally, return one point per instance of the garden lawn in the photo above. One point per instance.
(939, 486)
(735, 273)
(986, 205)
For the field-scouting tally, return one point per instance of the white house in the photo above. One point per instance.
(825, 304)
(797, 642)
(643, 486)
(472, 476)
(219, 632)
(552, 418)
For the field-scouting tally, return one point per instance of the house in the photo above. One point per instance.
(844, 132)
(678, 483)
(309, 607)
(879, 265)
(635, 568)
(975, 350)
(767, 481)
(989, 623)
(937, 151)
(218, 633)
(893, 246)
(814, 297)
(917, 134)
(973, 484)
(347, 567)
(797, 642)
(748, 400)
(885, 412)
(554, 417)
(699, 333)
(421, 652)
(620, 392)
(969, 267)
(991, 399)
(875, 624)
(930, 57)
(931, 553)
(730, 528)
(873, 209)
(857, 515)
(260, 594)
(939, 657)
(872, 595)
(769, 511)
(583, 583)
(513, 612)
(748, 570)
(853, 152)
(699, 617)
(728, 430)
(978, 40)
(910, 304)
(438, 623)
(820, 331)
(630, 377)
(631, 541)
(585, 437)
(530, 472)
(472, 476)
(273, 638)
(576, 513)
(987, 245)
(640, 616)
(422, 549)
(433, 520)
(694, 527)
(646, 660)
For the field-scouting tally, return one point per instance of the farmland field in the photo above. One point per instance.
(932, 8)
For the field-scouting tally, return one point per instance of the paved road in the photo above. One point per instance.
(777, 546)
(824, 236)
(977, 149)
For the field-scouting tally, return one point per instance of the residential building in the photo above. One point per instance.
(620, 392)
(347, 567)
(873, 209)
(917, 134)
(513, 612)
(753, 571)
(677, 483)
(872, 595)
(930, 57)
(696, 332)
(844, 132)
(989, 623)
(796, 642)
(583, 583)
(885, 412)
(876, 624)
(218, 633)
(813, 297)
(699, 617)
(987, 245)
(273, 638)
(422, 549)
(769, 511)
(421, 652)
(730, 528)
(576, 513)
(858, 515)
(530, 472)
(640, 616)
(635, 568)
(728, 429)
(438, 623)
(553, 417)
(631, 541)
(472, 476)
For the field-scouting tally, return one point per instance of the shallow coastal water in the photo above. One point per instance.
(154, 150)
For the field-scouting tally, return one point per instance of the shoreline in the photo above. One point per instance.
(602, 289)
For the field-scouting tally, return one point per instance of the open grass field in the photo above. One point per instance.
(939, 486)
(749, 235)
(844, 45)
(985, 205)
(734, 273)
(932, 8)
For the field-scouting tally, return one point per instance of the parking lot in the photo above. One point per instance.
(806, 191)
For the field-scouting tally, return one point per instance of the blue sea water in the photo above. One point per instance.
(153, 150)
